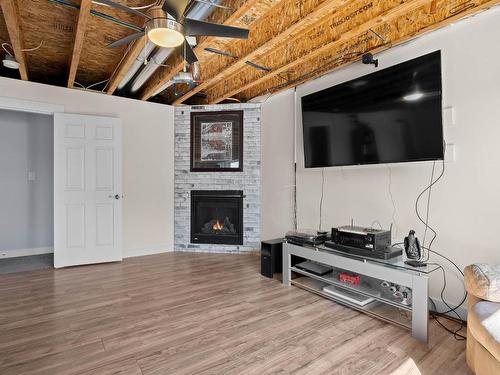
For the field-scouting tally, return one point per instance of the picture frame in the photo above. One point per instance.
(217, 141)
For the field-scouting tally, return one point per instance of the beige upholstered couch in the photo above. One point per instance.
(482, 281)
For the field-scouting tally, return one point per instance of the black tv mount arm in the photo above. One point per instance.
(368, 59)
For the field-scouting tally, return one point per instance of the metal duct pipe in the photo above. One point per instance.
(156, 59)
(199, 11)
(163, 87)
(138, 63)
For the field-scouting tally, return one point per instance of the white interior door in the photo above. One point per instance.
(87, 189)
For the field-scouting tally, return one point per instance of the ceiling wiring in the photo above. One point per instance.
(93, 84)
(12, 53)
(34, 48)
(7, 51)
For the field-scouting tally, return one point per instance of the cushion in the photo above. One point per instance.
(484, 323)
(483, 281)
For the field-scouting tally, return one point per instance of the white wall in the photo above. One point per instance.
(466, 202)
(277, 137)
(27, 206)
(148, 162)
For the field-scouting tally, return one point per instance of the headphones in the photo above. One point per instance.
(399, 292)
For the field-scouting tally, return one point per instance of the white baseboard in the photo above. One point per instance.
(25, 252)
(127, 253)
(147, 250)
(462, 310)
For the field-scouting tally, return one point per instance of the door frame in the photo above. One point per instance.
(21, 105)
(30, 106)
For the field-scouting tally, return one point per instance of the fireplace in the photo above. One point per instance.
(217, 217)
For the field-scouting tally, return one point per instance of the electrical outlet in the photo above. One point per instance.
(448, 116)
(450, 153)
(31, 176)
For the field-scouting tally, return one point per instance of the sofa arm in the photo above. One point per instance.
(483, 281)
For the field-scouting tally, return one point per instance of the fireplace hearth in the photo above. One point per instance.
(217, 217)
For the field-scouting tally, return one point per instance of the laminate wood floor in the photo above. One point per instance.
(185, 313)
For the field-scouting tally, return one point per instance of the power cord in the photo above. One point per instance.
(392, 201)
(321, 199)
(427, 211)
(427, 226)
(456, 335)
(436, 313)
(444, 286)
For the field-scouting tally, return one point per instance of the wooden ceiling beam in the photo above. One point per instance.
(248, 9)
(467, 12)
(248, 80)
(276, 28)
(81, 27)
(13, 23)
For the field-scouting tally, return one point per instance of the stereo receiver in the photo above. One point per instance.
(362, 238)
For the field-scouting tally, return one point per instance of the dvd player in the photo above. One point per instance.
(303, 237)
(387, 253)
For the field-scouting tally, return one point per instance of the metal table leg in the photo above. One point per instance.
(420, 310)
(287, 274)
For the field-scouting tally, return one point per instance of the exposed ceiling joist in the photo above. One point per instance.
(247, 9)
(81, 27)
(274, 29)
(469, 11)
(294, 57)
(12, 20)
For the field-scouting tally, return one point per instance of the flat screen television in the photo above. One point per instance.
(390, 116)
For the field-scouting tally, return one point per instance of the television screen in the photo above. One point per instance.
(392, 115)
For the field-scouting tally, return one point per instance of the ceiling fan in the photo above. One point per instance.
(168, 27)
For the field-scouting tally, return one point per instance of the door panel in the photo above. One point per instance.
(75, 225)
(105, 224)
(75, 168)
(104, 169)
(87, 190)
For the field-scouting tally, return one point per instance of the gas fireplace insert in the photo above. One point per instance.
(217, 217)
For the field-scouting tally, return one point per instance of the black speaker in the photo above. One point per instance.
(271, 257)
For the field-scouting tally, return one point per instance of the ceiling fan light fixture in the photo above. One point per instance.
(165, 32)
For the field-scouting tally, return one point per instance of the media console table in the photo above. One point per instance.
(373, 272)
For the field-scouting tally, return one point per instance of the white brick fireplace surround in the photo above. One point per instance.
(248, 180)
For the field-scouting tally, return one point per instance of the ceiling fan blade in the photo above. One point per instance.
(219, 52)
(186, 50)
(175, 8)
(198, 28)
(126, 40)
(123, 7)
(208, 2)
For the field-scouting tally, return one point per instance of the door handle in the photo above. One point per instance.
(116, 196)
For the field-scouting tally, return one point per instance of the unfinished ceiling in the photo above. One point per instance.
(64, 43)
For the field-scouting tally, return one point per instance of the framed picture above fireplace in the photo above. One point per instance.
(217, 141)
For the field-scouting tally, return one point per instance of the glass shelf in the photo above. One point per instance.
(381, 310)
(396, 262)
(368, 287)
